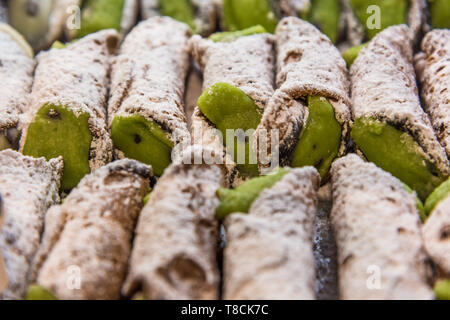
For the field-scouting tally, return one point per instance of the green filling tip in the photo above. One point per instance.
(390, 13)
(180, 10)
(233, 35)
(440, 14)
(240, 199)
(352, 53)
(36, 292)
(147, 198)
(419, 204)
(319, 141)
(439, 194)
(442, 289)
(389, 148)
(229, 108)
(243, 14)
(98, 15)
(57, 131)
(325, 14)
(142, 140)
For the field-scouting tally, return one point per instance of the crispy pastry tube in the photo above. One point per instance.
(16, 76)
(42, 21)
(378, 236)
(200, 15)
(390, 125)
(175, 248)
(92, 231)
(269, 250)
(309, 68)
(147, 92)
(362, 16)
(28, 187)
(433, 70)
(96, 15)
(68, 103)
(237, 83)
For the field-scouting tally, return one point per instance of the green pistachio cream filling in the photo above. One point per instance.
(180, 10)
(439, 194)
(229, 108)
(56, 131)
(241, 198)
(242, 14)
(439, 14)
(325, 14)
(98, 15)
(442, 289)
(352, 53)
(143, 140)
(397, 152)
(320, 139)
(233, 35)
(391, 12)
(39, 293)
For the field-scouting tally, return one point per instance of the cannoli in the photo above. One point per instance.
(310, 108)
(237, 85)
(146, 107)
(433, 69)
(87, 239)
(16, 75)
(175, 247)
(67, 110)
(269, 253)
(436, 234)
(390, 127)
(378, 234)
(242, 14)
(42, 21)
(200, 15)
(28, 187)
(96, 15)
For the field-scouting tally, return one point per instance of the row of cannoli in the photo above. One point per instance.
(87, 250)
(347, 22)
(249, 101)
(75, 86)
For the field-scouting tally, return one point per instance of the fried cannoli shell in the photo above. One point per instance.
(16, 76)
(205, 10)
(175, 248)
(274, 241)
(92, 231)
(381, 254)
(384, 87)
(246, 63)
(307, 64)
(205, 134)
(28, 187)
(436, 233)
(77, 77)
(433, 69)
(148, 77)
